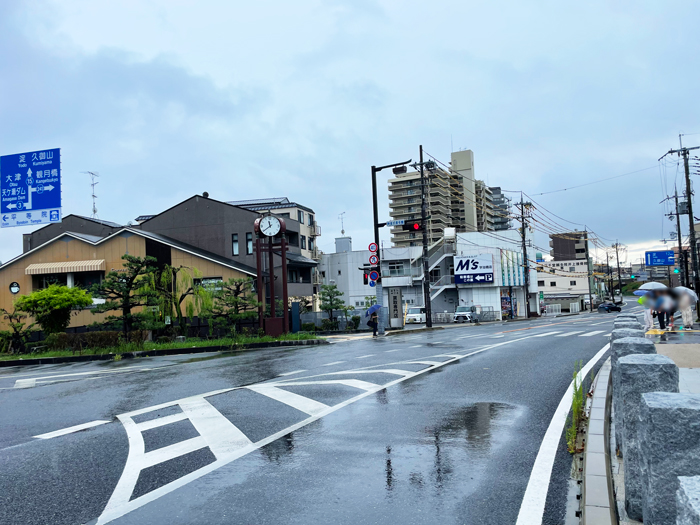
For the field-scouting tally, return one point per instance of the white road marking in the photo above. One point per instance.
(222, 436)
(429, 363)
(161, 421)
(120, 502)
(364, 356)
(547, 333)
(469, 336)
(567, 334)
(596, 324)
(416, 346)
(434, 342)
(497, 337)
(608, 335)
(291, 373)
(30, 382)
(589, 334)
(532, 506)
(309, 406)
(355, 383)
(333, 363)
(70, 430)
(390, 351)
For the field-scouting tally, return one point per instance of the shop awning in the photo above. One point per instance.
(65, 267)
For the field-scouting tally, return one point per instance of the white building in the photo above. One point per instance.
(566, 282)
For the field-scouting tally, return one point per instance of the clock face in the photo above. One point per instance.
(270, 226)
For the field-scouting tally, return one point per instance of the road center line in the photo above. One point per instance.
(333, 363)
(291, 373)
(364, 356)
(532, 506)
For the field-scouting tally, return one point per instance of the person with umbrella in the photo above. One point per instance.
(687, 298)
(647, 302)
(662, 303)
(373, 318)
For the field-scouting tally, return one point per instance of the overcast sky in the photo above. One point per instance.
(168, 98)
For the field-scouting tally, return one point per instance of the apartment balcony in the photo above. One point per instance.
(410, 201)
(404, 193)
(316, 277)
(315, 230)
(316, 254)
(435, 199)
(404, 213)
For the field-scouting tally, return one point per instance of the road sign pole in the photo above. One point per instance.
(426, 265)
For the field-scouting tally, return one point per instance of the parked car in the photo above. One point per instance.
(415, 315)
(609, 307)
(463, 315)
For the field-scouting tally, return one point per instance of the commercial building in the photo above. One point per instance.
(568, 246)
(566, 282)
(498, 291)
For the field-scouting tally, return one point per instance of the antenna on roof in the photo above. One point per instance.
(342, 226)
(93, 174)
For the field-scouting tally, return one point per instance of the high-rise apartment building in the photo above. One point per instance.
(568, 246)
(485, 210)
(451, 197)
(502, 210)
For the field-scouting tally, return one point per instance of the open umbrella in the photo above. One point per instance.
(641, 292)
(687, 291)
(653, 286)
(372, 309)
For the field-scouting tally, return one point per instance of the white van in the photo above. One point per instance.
(463, 315)
(415, 315)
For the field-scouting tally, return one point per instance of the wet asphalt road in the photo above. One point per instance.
(413, 428)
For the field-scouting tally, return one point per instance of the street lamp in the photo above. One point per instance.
(398, 168)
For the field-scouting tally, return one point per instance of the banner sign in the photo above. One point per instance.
(473, 269)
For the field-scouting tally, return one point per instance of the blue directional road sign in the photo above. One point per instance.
(30, 188)
(474, 278)
(661, 258)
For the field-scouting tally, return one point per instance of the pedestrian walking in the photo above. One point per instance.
(374, 323)
(647, 302)
(664, 306)
(685, 304)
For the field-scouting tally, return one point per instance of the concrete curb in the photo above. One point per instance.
(156, 353)
(598, 499)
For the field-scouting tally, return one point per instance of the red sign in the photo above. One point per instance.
(373, 275)
(373, 260)
(373, 247)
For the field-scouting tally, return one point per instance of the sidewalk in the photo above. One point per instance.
(683, 348)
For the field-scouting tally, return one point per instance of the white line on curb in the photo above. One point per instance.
(532, 506)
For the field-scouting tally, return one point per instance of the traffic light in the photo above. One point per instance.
(676, 270)
(632, 276)
(365, 278)
(413, 226)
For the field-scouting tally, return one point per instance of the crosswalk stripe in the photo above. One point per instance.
(363, 356)
(567, 334)
(589, 334)
(547, 333)
(304, 404)
(333, 363)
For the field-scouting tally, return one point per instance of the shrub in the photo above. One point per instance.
(164, 339)
(356, 321)
(327, 325)
(308, 327)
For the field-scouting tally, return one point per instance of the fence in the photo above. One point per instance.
(553, 309)
(574, 308)
(317, 318)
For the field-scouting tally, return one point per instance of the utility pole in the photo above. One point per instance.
(610, 277)
(424, 227)
(589, 269)
(689, 196)
(377, 225)
(619, 275)
(684, 275)
(523, 228)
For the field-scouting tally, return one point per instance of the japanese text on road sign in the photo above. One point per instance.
(474, 269)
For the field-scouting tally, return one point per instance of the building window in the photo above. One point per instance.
(572, 268)
(540, 283)
(338, 272)
(311, 220)
(300, 216)
(87, 279)
(397, 268)
(411, 200)
(234, 244)
(311, 244)
(552, 283)
(285, 215)
(293, 276)
(303, 242)
(323, 274)
(249, 243)
(572, 283)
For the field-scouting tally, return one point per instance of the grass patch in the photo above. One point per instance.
(577, 409)
(229, 342)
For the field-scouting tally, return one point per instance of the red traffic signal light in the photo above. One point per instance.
(365, 278)
(411, 226)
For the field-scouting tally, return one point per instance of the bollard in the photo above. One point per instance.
(619, 333)
(627, 323)
(669, 435)
(638, 375)
(620, 348)
(688, 500)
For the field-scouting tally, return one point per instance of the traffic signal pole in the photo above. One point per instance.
(426, 263)
(378, 287)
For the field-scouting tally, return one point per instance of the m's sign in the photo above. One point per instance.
(476, 269)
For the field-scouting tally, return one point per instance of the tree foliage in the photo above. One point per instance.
(126, 290)
(331, 299)
(52, 306)
(14, 340)
(370, 300)
(232, 303)
(172, 285)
